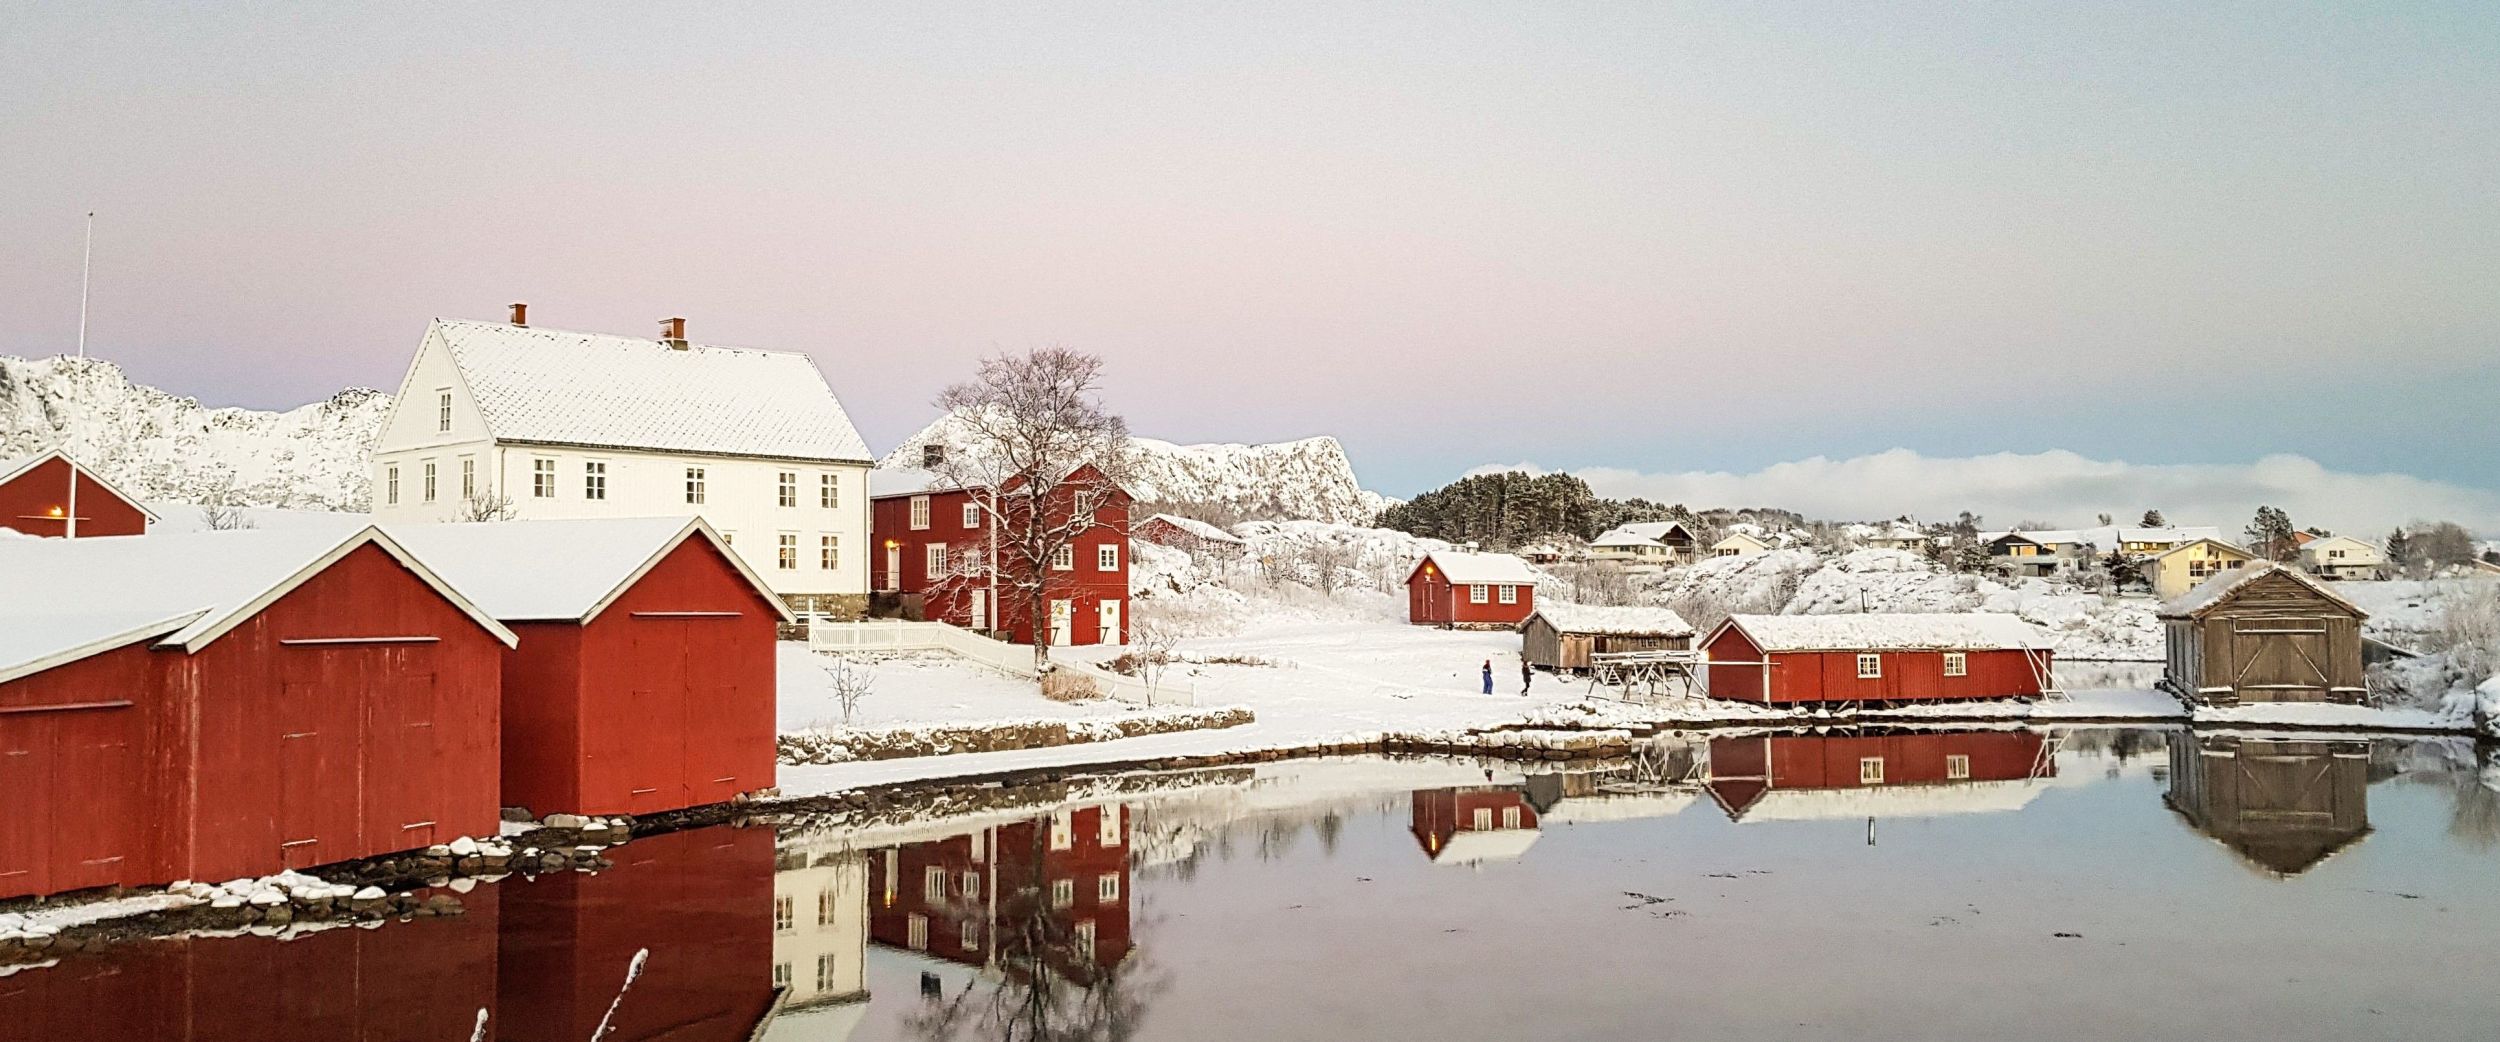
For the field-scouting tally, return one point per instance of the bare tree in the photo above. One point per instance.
(486, 506)
(1154, 642)
(1030, 436)
(850, 682)
(218, 512)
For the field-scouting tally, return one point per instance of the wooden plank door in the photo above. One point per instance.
(305, 759)
(26, 803)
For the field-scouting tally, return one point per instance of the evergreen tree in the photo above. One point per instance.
(1970, 556)
(2152, 519)
(2270, 534)
(2400, 550)
(2122, 570)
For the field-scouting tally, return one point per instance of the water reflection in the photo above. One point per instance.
(1778, 777)
(1473, 825)
(2283, 805)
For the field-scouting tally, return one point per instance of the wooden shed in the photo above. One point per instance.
(644, 679)
(50, 494)
(1470, 590)
(2281, 805)
(2262, 633)
(1875, 658)
(1563, 636)
(229, 704)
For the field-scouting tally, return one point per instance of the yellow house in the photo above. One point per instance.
(1738, 544)
(2179, 569)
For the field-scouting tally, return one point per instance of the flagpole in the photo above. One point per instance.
(86, 267)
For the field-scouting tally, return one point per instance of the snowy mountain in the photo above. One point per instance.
(160, 446)
(1306, 480)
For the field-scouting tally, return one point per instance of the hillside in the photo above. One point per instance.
(1309, 480)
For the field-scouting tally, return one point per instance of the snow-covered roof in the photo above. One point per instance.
(1620, 539)
(1478, 847)
(1891, 801)
(182, 590)
(1463, 567)
(2193, 543)
(1620, 621)
(1908, 631)
(571, 570)
(1889, 530)
(550, 386)
(2215, 590)
(2111, 537)
(1740, 539)
(1637, 530)
(1195, 527)
(10, 469)
(2323, 544)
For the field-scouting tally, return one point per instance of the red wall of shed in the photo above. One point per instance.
(1432, 600)
(76, 781)
(28, 502)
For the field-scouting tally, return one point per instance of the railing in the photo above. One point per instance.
(1016, 660)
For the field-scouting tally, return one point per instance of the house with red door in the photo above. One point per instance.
(936, 559)
(1472, 825)
(1468, 590)
(224, 704)
(49, 494)
(1849, 777)
(644, 677)
(974, 899)
(1788, 659)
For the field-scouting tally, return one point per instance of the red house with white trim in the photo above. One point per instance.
(1470, 590)
(1908, 773)
(644, 679)
(933, 547)
(226, 704)
(1785, 659)
(37, 498)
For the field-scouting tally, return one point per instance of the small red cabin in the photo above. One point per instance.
(1185, 533)
(227, 704)
(644, 679)
(1470, 590)
(1784, 659)
(1793, 777)
(933, 553)
(37, 498)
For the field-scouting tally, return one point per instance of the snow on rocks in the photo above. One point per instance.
(845, 745)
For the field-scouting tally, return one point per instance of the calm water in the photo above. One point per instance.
(1900, 885)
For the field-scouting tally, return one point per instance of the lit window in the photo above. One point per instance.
(829, 552)
(1107, 888)
(786, 489)
(1107, 558)
(829, 491)
(786, 552)
(972, 515)
(1478, 593)
(429, 481)
(442, 411)
(390, 485)
(1063, 559)
(1871, 770)
(933, 884)
(935, 559)
(543, 478)
(1956, 664)
(1870, 666)
(1956, 767)
(694, 485)
(1510, 594)
(594, 480)
(919, 513)
(1062, 893)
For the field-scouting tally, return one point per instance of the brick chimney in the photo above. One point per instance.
(520, 314)
(673, 333)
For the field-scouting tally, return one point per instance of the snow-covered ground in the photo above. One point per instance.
(917, 688)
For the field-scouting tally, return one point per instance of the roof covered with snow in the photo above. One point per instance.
(1195, 527)
(540, 571)
(1462, 567)
(2112, 537)
(1620, 538)
(1637, 530)
(2214, 591)
(1940, 631)
(555, 387)
(1617, 621)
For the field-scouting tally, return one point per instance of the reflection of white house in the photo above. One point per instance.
(2342, 557)
(820, 944)
(1738, 544)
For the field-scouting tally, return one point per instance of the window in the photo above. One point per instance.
(829, 491)
(1062, 830)
(829, 552)
(825, 907)
(786, 489)
(786, 552)
(1956, 664)
(933, 884)
(919, 513)
(729, 538)
(971, 883)
(594, 480)
(781, 975)
(970, 931)
(442, 411)
(1107, 558)
(1956, 767)
(916, 932)
(543, 478)
(824, 972)
(390, 485)
(1482, 819)
(1062, 893)
(694, 485)
(429, 481)
(936, 559)
(1110, 832)
(785, 913)
(1871, 770)
(1510, 817)
(972, 515)
(1063, 559)
(1510, 594)
(468, 477)
(1870, 666)
(1085, 940)
(1477, 593)
(1107, 888)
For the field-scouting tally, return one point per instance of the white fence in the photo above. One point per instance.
(1012, 659)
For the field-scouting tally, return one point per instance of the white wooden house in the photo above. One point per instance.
(533, 423)
(2343, 557)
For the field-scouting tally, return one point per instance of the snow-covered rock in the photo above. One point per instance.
(1310, 479)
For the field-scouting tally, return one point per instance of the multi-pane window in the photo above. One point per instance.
(1956, 767)
(919, 513)
(786, 489)
(829, 491)
(825, 965)
(1062, 893)
(468, 477)
(933, 884)
(1085, 940)
(1481, 819)
(1510, 593)
(785, 913)
(594, 480)
(390, 485)
(1956, 664)
(781, 975)
(694, 485)
(826, 908)
(1107, 888)
(429, 481)
(442, 411)
(829, 552)
(935, 559)
(972, 515)
(1107, 557)
(916, 932)
(543, 478)
(1063, 559)
(786, 552)
(1478, 593)
(970, 931)
(1510, 817)
(971, 883)
(1870, 666)
(1871, 770)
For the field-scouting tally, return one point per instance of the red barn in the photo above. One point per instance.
(1470, 591)
(1793, 777)
(1186, 533)
(227, 704)
(934, 553)
(1472, 825)
(644, 680)
(964, 899)
(1782, 659)
(37, 497)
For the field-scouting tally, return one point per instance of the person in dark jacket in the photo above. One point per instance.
(1488, 676)
(1527, 675)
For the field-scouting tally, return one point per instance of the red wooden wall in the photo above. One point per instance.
(1085, 586)
(28, 503)
(1438, 814)
(76, 807)
(1432, 600)
(1832, 676)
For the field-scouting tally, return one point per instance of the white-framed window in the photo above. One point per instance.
(468, 477)
(1510, 817)
(1062, 830)
(1063, 559)
(829, 491)
(1062, 893)
(829, 552)
(971, 883)
(694, 486)
(919, 513)
(785, 914)
(1107, 888)
(1956, 767)
(594, 480)
(781, 975)
(1510, 593)
(1870, 666)
(543, 478)
(390, 485)
(825, 965)
(786, 489)
(1871, 770)
(1956, 664)
(1107, 557)
(442, 410)
(1108, 835)
(916, 932)
(935, 559)
(1478, 593)
(1085, 940)
(826, 908)
(970, 932)
(429, 481)
(1481, 820)
(933, 884)
(786, 552)
(972, 515)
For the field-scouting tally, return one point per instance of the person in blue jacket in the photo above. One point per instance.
(1488, 676)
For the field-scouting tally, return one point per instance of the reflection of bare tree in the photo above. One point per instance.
(1331, 826)
(1049, 982)
(2475, 816)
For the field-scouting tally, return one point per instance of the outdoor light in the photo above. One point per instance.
(56, 511)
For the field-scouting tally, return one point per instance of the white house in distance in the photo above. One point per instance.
(540, 423)
(2342, 557)
(1739, 544)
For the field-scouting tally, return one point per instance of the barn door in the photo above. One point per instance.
(98, 757)
(403, 761)
(303, 740)
(2287, 789)
(1575, 650)
(2279, 660)
(25, 804)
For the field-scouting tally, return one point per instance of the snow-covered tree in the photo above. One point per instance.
(2400, 551)
(2152, 519)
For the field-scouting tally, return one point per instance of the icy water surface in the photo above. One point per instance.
(1889, 885)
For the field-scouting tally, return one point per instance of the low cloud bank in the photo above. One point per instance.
(2063, 487)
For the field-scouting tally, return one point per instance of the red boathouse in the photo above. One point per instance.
(36, 498)
(226, 704)
(1781, 659)
(1470, 590)
(644, 678)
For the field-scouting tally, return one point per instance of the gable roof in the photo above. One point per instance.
(1645, 530)
(1733, 537)
(2184, 547)
(1470, 568)
(549, 386)
(1615, 621)
(1194, 527)
(183, 591)
(12, 469)
(1907, 631)
(1625, 539)
(2214, 591)
(2324, 542)
(561, 571)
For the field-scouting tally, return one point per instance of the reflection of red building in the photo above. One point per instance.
(934, 549)
(966, 899)
(1473, 825)
(1764, 777)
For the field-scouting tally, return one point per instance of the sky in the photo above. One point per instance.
(1631, 240)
